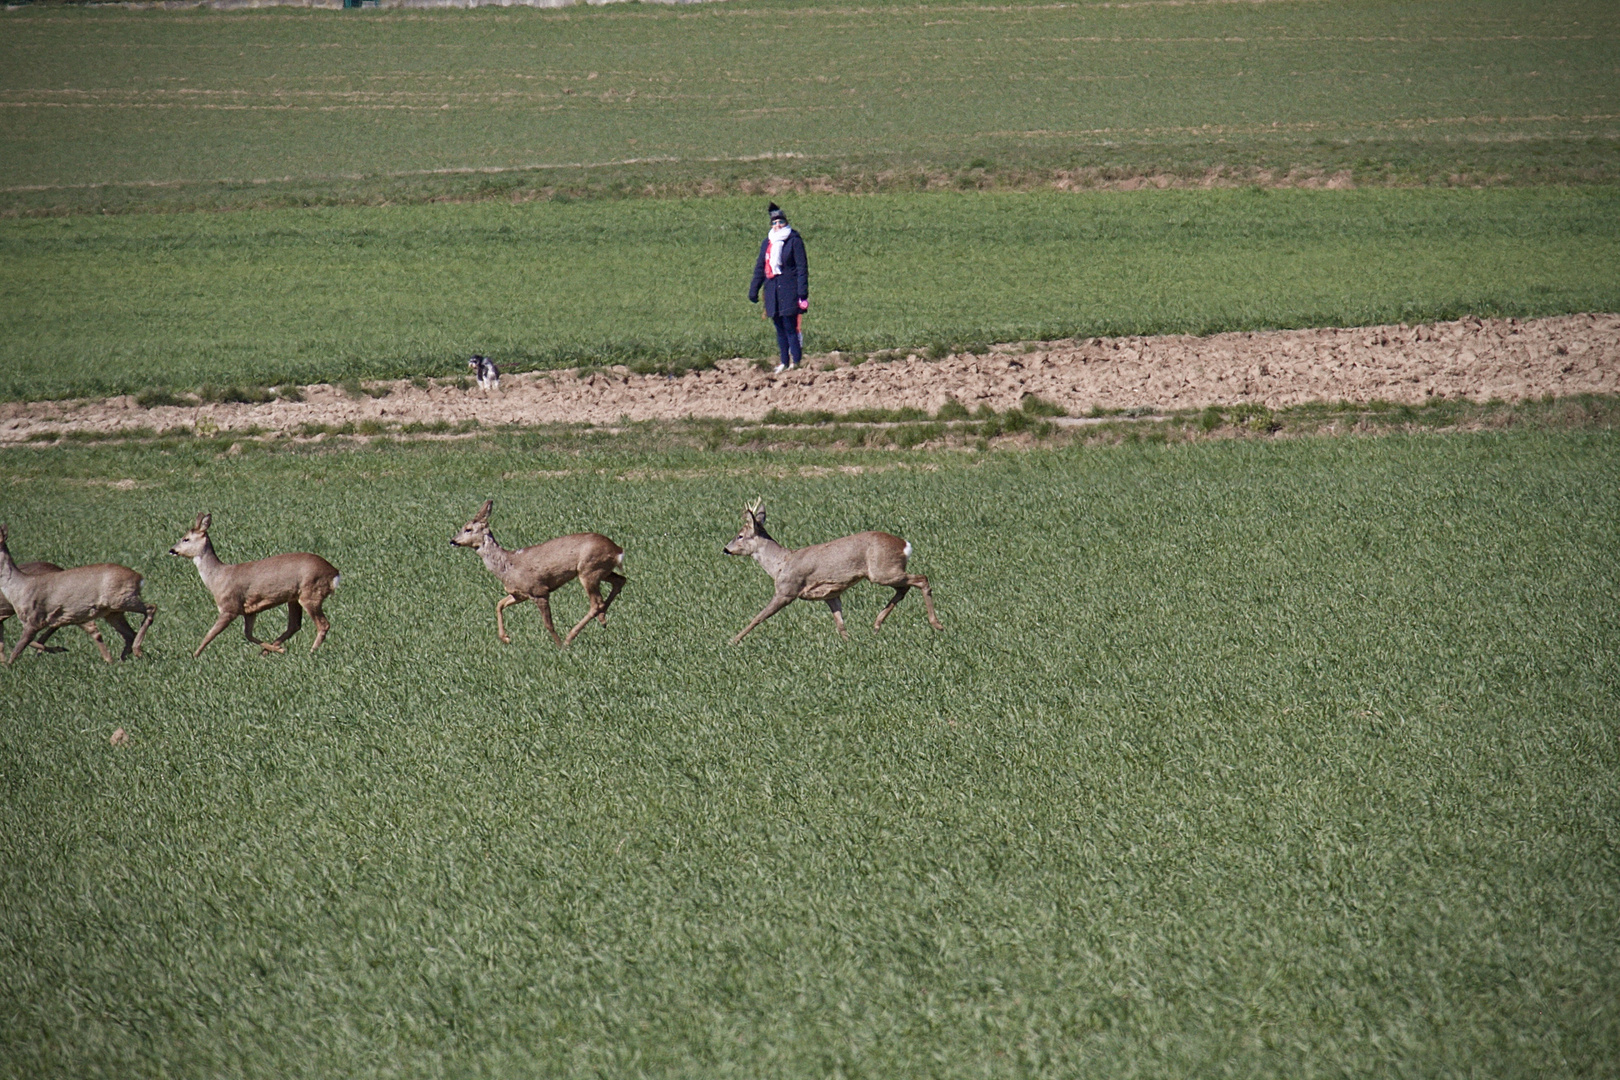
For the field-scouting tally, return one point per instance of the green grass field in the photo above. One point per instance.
(1269, 758)
(95, 305)
(1259, 756)
(105, 109)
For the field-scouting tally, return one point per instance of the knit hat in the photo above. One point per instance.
(776, 214)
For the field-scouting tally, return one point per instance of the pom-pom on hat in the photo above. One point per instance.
(776, 213)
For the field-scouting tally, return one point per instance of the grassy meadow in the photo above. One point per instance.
(1244, 755)
(98, 305)
(1274, 758)
(109, 110)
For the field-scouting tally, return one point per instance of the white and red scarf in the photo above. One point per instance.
(773, 250)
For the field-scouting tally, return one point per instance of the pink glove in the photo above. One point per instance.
(804, 305)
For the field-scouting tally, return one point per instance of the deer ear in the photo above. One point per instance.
(203, 521)
(483, 511)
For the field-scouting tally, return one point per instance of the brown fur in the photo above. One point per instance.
(78, 596)
(534, 573)
(824, 571)
(300, 580)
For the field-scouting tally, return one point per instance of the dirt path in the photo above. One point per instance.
(1476, 359)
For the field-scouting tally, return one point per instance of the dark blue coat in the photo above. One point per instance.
(784, 291)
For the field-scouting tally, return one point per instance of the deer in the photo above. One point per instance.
(534, 573)
(824, 571)
(300, 580)
(6, 612)
(74, 597)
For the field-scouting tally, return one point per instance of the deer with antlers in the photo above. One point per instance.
(300, 580)
(44, 600)
(825, 571)
(534, 573)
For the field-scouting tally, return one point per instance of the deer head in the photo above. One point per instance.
(195, 542)
(753, 535)
(475, 532)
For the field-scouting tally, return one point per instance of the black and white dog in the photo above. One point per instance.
(485, 371)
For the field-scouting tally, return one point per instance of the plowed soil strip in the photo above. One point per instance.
(1480, 360)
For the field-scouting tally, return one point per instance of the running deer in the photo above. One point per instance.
(534, 573)
(824, 571)
(300, 580)
(76, 597)
(6, 611)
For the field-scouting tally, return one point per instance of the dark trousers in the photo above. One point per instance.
(788, 339)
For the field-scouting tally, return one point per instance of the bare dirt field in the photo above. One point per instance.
(1480, 360)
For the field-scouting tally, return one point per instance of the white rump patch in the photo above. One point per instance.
(619, 559)
(335, 579)
(907, 551)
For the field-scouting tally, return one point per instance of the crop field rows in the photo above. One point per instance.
(1281, 757)
(109, 110)
(102, 305)
(1258, 741)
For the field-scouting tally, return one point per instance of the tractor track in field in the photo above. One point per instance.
(1476, 359)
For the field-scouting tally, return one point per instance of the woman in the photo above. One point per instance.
(782, 270)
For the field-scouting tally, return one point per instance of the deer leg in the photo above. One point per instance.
(89, 629)
(214, 631)
(899, 594)
(116, 620)
(500, 620)
(593, 593)
(777, 603)
(543, 602)
(28, 635)
(322, 623)
(265, 647)
(615, 583)
(95, 635)
(41, 647)
(295, 623)
(150, 610)
(921, 585)
(836, 606)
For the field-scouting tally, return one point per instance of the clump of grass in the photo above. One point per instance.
(310, 431)
(154, 396)
(1255, 418)
(241, 395)
(952, 410)
(428, 427)
(907, 436)
(715, 434)
(1035, 405)
(290, 392)
(371, 427)
(783, 417)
